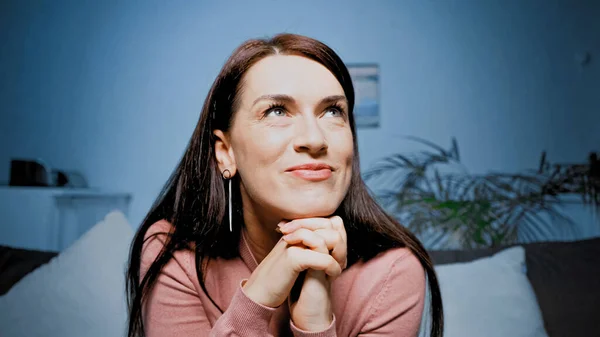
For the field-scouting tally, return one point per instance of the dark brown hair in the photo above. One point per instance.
(193, 199)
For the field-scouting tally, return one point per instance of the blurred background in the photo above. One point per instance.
(113, 89)
(109, 92)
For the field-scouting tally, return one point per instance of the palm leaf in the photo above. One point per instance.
(486, 210)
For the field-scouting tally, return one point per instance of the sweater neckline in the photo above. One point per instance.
(246, 254)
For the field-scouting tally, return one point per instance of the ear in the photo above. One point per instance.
(224, 153)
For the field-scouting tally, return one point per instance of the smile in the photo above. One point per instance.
(312, 175)
(311, 172)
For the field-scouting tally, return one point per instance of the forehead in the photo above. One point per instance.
(297, 76)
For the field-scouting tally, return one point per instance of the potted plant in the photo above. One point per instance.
(434, 195)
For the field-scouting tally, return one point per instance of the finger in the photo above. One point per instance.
(340, 252)
(308, 223)
(310, 239)
(332, 240)
(305, 259)
(332, 237)
(336, 245)
(338, 224)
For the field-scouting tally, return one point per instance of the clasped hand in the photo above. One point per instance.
(315, 245)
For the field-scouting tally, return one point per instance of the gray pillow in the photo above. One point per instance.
(566, 280)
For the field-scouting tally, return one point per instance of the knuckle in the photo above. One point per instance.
(338, 237)
(303, 231)
(320, 239)
(337, 269)
(292, 253)
(333, 261)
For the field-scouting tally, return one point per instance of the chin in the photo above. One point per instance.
(308, 209)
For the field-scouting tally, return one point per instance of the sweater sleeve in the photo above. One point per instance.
(397, 308)
(173, 307)
(329, 332)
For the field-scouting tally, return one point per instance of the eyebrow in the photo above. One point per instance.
(289, 99)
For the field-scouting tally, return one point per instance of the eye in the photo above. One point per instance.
(276, 110)
(334, 111)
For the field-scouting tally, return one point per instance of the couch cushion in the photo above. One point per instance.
(81, 292)
(565, 277)
(566, 280)
(490, 297)
(15, 263)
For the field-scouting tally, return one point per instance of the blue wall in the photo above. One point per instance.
(113, 89)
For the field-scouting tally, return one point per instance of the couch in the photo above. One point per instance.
(81, 291)
(565, 277)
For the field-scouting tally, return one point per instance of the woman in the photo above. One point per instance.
(267, 208)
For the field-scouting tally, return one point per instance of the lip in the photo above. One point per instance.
(311, 171)
(310, 166)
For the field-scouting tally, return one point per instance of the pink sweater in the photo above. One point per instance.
(383, 297)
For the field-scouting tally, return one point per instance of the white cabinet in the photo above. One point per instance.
(52, 219)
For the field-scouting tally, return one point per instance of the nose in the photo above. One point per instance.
(310, 136)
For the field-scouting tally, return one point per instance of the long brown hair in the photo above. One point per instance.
(193, 199)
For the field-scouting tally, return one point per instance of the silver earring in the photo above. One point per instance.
(228, 177)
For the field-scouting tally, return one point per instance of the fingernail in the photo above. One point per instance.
(278, 230)
(283, 226)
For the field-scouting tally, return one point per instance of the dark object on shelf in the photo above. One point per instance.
(25, 172)
(29, 173)
(70, 179)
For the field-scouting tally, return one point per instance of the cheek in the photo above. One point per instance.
(350, 147)
(259, 150)
(258, 159)
(347, 155)
(341, 148)
(345, 147)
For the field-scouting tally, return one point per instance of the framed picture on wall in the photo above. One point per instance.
(365, 78)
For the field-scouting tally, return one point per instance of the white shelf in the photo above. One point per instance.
(51, 219)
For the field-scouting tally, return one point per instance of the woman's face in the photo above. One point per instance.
(290, 141)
